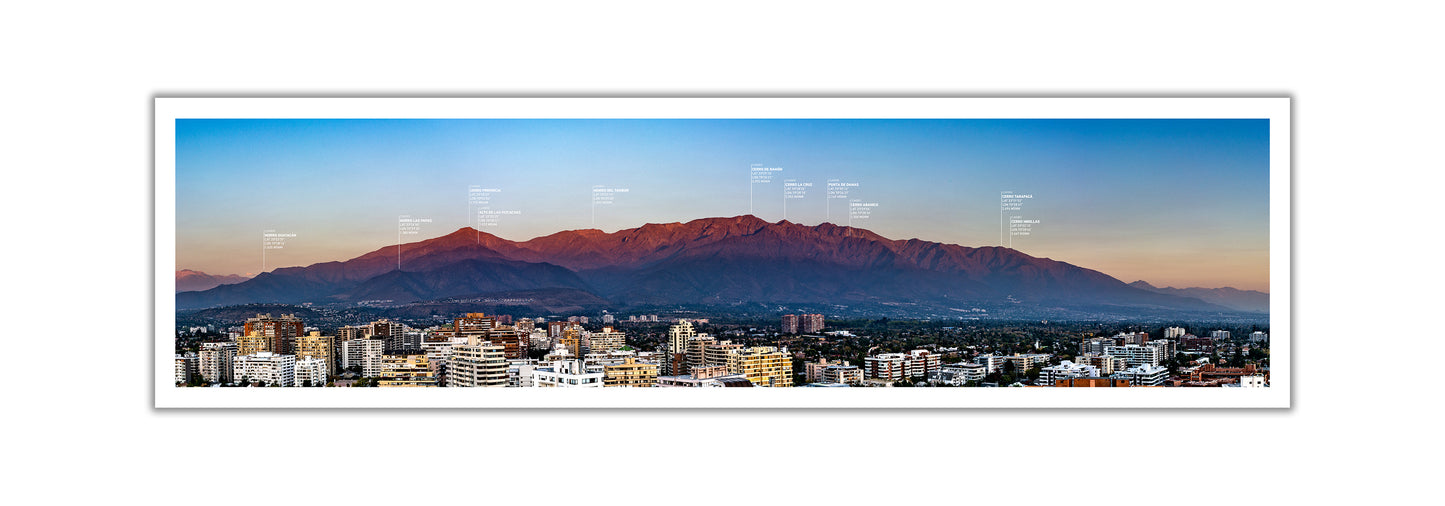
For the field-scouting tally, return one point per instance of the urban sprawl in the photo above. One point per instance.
(483, 350)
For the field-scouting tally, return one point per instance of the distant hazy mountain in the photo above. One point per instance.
(1233, 298)
(705, 261)
(189, 280)
(355, 280)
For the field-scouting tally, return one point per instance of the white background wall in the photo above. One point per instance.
(77, 95)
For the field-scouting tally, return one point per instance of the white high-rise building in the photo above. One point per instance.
(958, 374)
(1144, 375)
(1134, 354)
(1167, 348)
(1219, 334)
(311, 369)
(707, 376)
(991, 363)
(566, 374)
(363, 353)
(678, 337)
(187, 366)
(519, 372)
(1174, 332)
(1257, 337)
(898, 366)
(216, 361)
(887, 366)
(265, 366)
(924, 362)
(477, 364)
(438, 352)
(1066, 370)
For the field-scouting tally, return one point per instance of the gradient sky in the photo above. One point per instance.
(1172, 202)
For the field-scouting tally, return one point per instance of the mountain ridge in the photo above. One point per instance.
(1227, 296)
(193, 280)
(703, 261)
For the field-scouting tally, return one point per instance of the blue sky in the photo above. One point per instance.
(1174, 202)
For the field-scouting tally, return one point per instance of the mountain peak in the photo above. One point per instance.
(464, 232)
(742, 219)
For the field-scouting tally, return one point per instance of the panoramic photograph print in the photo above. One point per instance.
(949, 254)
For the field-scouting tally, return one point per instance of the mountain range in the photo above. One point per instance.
(188, 280)
(740, 259)
(1242, 300)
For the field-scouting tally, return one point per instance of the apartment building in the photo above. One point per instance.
(607, 340)
(1135, 355)
(1107, 364)
(267, 367)
(315, 345)
(188, 365)
(216, 362)
(900, 366)
(280, 332)
(1066, 370)
(311, 371)
(1144, 375)
(406, 371)
(958, 374)
(477, 364)
(566, 374)
(365, 354)
(630, 373)
(764, 366)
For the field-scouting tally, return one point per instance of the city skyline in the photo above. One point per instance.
(475, 349)
(1172, 202)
